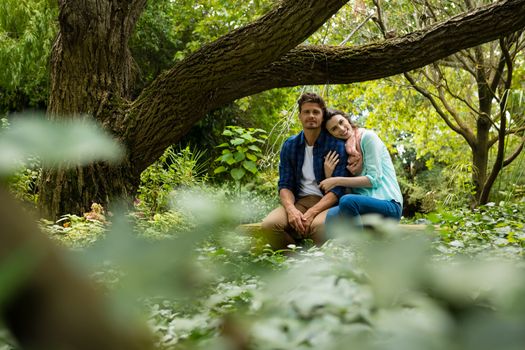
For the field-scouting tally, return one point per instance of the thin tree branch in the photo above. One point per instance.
(464, 65)
(468, 136)
(508, 133)
(451, 93)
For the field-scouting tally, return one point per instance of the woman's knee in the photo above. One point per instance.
(349, 204)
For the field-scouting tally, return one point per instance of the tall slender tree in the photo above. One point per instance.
(470, 92)
(91, 73)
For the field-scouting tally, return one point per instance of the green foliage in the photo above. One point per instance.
(162, 29)
(241, 153)
(27, 30)
(256, 202)
(161, 225)
(212, 18)
(398, 291)
(489, 228)
(77, 142)
(22, 183)
(31, 140)
(73, 231)
(173, 169)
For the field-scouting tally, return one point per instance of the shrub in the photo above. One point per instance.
(241, 153)
(185, 167)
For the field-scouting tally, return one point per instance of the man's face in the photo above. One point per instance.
(311, 115)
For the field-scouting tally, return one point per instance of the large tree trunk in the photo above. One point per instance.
(91, 73)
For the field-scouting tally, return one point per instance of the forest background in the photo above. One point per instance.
(455, 130)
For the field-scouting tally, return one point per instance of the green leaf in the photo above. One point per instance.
(237, 173)
(227, 133)
(228, 158)
(237, 141)
(238, 130)
(250, 166)
(224, 144)
(239, 156)
(254, 148)
(219, 170)
(248, 137)
(75, 141)
(251, 157)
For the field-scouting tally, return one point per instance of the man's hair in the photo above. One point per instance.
(312, 98)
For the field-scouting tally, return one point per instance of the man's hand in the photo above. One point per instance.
(295, 219)
(327, 184)
(330, 162)
(308, 218)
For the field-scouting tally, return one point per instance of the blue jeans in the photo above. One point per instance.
(353, 206)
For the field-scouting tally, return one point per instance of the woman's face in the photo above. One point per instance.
(339, 127)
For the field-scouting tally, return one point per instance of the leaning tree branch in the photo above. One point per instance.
(190, 88)
(211, 87)
(498, 74)
(444, 101)
(307, 65)
(461, 123)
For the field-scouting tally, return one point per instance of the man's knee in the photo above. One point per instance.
(270, 224)
(276, 220)
(274, 234)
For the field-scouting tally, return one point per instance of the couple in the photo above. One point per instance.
(317, 169)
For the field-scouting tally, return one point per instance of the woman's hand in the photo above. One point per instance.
(330, 162)
(327, 184)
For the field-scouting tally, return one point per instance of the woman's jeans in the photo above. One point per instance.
(352, 206)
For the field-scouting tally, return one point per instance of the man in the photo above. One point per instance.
(304, 204)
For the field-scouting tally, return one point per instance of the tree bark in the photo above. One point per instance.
(93, 75)
(480, 154)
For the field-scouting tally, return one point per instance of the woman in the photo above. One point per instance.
(373, 185)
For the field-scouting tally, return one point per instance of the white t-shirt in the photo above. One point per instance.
(308, 184)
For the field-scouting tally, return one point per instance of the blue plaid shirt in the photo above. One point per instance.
(292, 159)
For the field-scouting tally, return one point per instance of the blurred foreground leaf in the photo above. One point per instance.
(75, 141)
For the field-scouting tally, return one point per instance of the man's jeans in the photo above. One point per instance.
(353, 206)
